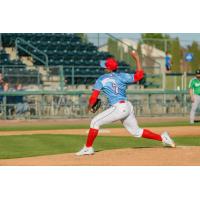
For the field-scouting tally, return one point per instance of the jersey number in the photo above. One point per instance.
(115, 88)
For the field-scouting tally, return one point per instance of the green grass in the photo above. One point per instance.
(85, 126)
(35, 145)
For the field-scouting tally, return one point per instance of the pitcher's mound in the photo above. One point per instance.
(181, 156)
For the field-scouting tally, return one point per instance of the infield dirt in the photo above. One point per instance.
(180, 156)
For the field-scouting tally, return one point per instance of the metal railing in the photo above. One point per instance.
(72, 104)
(18, 45)
(58, 76)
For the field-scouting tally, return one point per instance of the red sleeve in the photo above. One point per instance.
(138, 75)
(94, 97)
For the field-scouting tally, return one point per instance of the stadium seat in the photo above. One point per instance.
(62, 49)
(5, 60)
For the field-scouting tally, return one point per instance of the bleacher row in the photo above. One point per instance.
(82, 75)
(5, 60)
(15, 71)
(63, 49)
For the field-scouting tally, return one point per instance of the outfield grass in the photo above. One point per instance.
(85, 126)
(35, 145)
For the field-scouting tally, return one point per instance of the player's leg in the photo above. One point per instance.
(198, 101)
(94, 125)
(167, 67)
(193, 109)
(110, 115)
(130, 123)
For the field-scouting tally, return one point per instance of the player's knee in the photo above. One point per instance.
(138, 132)
(94, 124)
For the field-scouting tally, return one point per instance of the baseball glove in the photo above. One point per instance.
(96, 106)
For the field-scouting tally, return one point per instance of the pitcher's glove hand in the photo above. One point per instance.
(96, 106)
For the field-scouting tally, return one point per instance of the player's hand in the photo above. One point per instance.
(134, 55)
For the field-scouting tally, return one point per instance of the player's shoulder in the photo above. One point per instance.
(193, 79)
(123, 74)
(101, 78)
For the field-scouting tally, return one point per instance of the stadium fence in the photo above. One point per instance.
(72, 104)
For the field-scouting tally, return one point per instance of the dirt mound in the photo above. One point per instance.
(180, 156)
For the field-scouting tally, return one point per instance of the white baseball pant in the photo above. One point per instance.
(195, 105)
(120, 111)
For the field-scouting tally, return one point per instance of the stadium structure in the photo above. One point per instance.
(57, 71)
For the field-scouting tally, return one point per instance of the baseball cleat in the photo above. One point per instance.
(167, 141)
(85, 151)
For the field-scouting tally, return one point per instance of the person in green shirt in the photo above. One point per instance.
(194, 90)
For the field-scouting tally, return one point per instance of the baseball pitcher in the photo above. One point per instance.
(113, 85)
(194, 90)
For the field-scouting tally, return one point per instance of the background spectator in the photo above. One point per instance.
(10, 100)
(21, 106)
(167, 62)
(1, 79)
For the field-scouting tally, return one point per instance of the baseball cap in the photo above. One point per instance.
(197, 71)
(109, 63)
